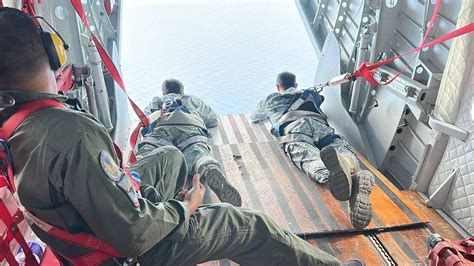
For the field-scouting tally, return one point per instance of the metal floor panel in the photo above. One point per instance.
(268, 181)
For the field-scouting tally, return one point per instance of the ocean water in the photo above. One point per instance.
(228, 52)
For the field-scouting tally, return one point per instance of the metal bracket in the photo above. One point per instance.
(449, 129)
(438, 198)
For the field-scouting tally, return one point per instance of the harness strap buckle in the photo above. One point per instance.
(192, 140)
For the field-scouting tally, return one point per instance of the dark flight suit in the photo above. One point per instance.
(66, 175)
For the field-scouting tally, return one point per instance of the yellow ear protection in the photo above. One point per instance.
(54, 45)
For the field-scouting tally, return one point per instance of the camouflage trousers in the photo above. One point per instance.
(197, 154)
(306, 156)
(217, 231)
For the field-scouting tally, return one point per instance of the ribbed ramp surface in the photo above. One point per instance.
(268, 181)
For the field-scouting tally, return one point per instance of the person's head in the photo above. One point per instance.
(285, 80)
(24, 64)
(172, 86)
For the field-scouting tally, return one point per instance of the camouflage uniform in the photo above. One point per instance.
(66, 174)
(198, 154)
(305, 156)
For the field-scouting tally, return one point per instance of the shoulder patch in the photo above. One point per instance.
(109, 166)
(126, 184)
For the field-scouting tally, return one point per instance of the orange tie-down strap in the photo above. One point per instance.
(268, 181)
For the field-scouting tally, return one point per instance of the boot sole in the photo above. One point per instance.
(224, 191)
(361, 208)
(339, 183)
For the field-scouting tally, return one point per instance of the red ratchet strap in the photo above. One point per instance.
(366, 69)
(109, 64)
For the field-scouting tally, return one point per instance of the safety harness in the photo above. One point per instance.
(100, 251)
(173, 112)
(306, 103)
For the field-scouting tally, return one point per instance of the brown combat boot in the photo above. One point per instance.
(340, 168)
(217, 181)
(359, 203)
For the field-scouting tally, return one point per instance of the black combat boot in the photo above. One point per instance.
(340, 168)
(217, 181)
(359, 203)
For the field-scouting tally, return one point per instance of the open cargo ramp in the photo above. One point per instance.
(268, 181)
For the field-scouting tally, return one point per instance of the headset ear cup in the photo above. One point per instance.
(50, 49)
(60, 49)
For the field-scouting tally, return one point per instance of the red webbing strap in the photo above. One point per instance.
(133, 142)
(6, 253)
(65, 80)
(95, 258)
(3, 180)
(108, 7)
(366, 69)
(14, 232)
(84, 240)
(109, 64)
(23, 112)
(5, 249)
(51, 258)
(28, 6)
(102, 251)
(1, 3)
(124, 168)
(17, 118)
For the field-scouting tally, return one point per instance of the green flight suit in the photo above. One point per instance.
(66, 176)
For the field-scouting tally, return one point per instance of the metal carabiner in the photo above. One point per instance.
(6, 100)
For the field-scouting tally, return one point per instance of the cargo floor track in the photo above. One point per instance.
(268, 181)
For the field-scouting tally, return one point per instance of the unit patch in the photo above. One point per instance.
(126, 184)
(121, 179)
(109, 166)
